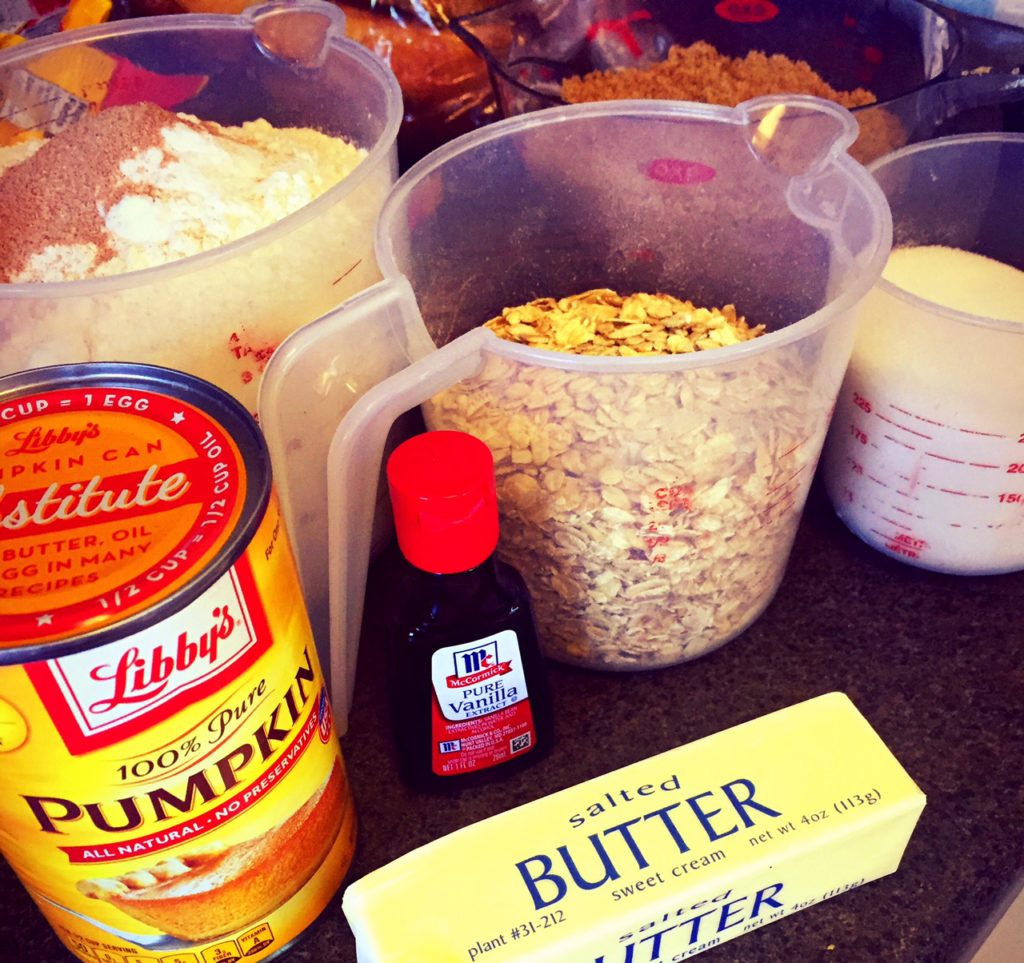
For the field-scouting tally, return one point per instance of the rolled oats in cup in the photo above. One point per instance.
(649, 513)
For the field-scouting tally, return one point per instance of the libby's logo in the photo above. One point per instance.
(141, 677)
(36, 441)
(106, 695)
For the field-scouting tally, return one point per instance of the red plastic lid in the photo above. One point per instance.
(444, 501)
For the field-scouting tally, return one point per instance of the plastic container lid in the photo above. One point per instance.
(444, 501)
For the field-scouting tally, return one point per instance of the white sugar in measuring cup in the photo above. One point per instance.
(925, 458)
(651, 503)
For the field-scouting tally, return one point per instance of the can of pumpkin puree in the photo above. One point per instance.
(171, 785)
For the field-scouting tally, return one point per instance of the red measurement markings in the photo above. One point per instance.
(766, 514)
(955, 461)
(783, 484)
(942, 491)
(674, 498)
(859, 434)
(668, 499)
(345, 274)
(902, 427)
(942, 424)
(911, 541)
(905, 545)
(984, 434)
(877, 481)
(981, 464)
(895, 524)
(655, 537)
(911, 414)
(896, 441)
(898, 549)
(796, 447)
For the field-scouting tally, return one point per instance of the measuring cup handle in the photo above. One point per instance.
(313, 378)
(987, 43)
(353, 467)
(950, 98)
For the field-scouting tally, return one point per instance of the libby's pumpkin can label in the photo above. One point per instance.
(171, 784)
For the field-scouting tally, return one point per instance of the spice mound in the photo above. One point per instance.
(700, 73)
(136, 186)
(603, 322)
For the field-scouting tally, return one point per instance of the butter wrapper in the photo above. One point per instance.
(658, 861)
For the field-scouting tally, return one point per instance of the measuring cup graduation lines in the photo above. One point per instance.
(961, 461)
(896, 424)
(953, 491)
(911, 414)
(897, 442)
(894, 523)
(983, 434)
(899, 491)
(783, 484)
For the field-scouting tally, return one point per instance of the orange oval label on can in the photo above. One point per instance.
(110, 500)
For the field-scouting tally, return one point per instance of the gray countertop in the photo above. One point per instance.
(934, 662)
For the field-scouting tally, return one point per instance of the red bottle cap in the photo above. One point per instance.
(444, 501)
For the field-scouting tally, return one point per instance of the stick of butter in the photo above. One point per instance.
(657, 861)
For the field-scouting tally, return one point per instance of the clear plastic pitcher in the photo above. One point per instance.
(925, 460)
(218, 314)
(650, 502)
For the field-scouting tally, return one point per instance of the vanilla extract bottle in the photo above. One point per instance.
(469, 691)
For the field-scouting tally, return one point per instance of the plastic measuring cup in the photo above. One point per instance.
(218, 314)
(650, 502)
(925, 460)
(927, 67)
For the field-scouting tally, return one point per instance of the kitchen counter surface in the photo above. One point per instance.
(934, 662)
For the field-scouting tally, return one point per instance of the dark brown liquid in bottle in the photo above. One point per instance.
(458, 616)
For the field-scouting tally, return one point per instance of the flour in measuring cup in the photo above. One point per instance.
(137, 187)
(957, 279)
(923, 460)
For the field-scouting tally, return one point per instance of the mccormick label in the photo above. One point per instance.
(171, 785)
(481, 710)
